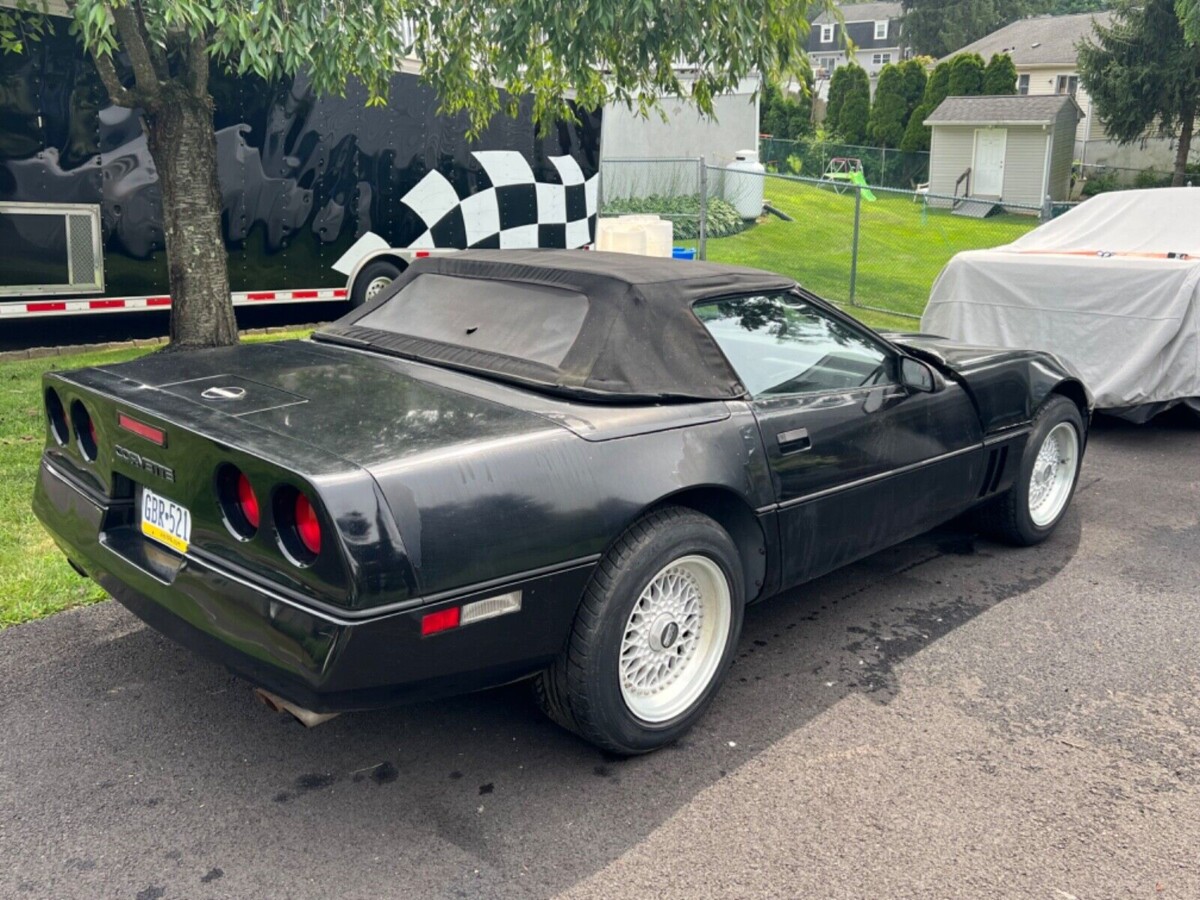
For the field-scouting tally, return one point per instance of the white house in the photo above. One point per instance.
(1043, 48)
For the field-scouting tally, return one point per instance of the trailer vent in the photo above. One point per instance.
(81, 247)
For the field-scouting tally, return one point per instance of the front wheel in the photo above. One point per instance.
(1028, 512)
(653, 637)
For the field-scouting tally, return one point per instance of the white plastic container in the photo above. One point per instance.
(645, 235)
(744, 184)
(660, 236)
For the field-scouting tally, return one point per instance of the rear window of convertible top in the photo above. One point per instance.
(526, 321)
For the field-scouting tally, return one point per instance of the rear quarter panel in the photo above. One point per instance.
(492, 509)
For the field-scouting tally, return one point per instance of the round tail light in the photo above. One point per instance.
(308, 527)
(85, 430)
(58, 418)
(239, 503)
(297, 525)
(247, 502)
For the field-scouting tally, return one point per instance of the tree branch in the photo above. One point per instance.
(118, 93)
(158, 56)
(135, 45)
(197, 65)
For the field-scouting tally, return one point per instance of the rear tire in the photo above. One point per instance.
(374, 277)
(653, 637)
(1029, 511)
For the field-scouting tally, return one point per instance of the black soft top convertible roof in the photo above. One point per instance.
(638, 340)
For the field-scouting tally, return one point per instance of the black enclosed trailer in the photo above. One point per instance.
(322, 198)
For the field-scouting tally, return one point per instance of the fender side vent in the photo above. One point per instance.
(989, 474)
(1001, 462)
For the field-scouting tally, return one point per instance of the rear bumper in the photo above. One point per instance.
(316, 659)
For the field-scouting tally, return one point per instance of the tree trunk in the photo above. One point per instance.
(1185, 143)
(184, 149)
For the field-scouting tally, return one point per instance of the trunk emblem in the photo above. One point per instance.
(144, 463)
(224, 393)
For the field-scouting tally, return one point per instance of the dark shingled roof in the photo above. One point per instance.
(1015, 109)
(862, 12)
(1039, 41)
(639, 338)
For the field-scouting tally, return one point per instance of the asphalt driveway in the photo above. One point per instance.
(950, 718)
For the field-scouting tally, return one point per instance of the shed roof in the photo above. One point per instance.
(1040, 40)
(1014, 109)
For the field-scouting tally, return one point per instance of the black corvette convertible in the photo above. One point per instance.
(573, 466)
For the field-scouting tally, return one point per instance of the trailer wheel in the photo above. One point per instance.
(374, 277)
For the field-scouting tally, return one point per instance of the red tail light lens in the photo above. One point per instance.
(308, 527)
(85, 430)
(239, 503)
(247, 502)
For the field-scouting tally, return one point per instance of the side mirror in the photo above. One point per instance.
(917, 376)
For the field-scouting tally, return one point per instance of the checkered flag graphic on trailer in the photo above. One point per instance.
(515, 211)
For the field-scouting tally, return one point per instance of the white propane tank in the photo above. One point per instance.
(745, 191)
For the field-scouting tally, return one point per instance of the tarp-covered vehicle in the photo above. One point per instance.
(1111, 287)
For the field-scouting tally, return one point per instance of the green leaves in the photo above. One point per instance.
(591, 51)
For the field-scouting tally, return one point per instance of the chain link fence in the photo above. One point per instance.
(868, 246)
(814, 159)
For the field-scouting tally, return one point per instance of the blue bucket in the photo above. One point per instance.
(683, 253)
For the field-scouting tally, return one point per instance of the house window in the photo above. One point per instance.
(881, 30)
(826, 34)
(1022, 84)
(881, 59)
(1067, 84)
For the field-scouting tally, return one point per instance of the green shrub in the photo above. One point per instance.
(1100, 184)
(1148, 178)
(684, 212)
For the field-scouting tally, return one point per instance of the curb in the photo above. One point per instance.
(72, 349)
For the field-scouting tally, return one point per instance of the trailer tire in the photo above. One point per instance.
(374, 277)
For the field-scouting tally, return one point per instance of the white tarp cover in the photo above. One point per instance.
(1111, 287)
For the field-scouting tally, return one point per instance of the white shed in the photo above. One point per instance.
(1008, 149)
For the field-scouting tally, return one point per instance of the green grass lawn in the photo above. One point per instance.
(35, 579)
(902, 246)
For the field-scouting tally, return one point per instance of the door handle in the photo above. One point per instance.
(794, 441)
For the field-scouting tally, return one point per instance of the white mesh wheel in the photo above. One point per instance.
(1053, 474)
(674, 639)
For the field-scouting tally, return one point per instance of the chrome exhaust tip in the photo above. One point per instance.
(305, 717)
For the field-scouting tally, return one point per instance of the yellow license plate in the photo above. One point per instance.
(166, 521)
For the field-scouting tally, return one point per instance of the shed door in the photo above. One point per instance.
(989, 161)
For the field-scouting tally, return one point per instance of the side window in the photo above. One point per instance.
(780, 344)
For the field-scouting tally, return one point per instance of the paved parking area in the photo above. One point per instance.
(949, 718)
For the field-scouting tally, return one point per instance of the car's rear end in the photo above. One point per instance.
(269, 552)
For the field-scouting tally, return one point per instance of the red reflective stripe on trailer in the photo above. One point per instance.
(339, 294)
(305, 295)
(266, 295)
(421, 254)
(45, 307)
(158, 301)
(105, 304)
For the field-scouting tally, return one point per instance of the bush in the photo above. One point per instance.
(723, 219)
(1100, 184)
(1148, 178)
